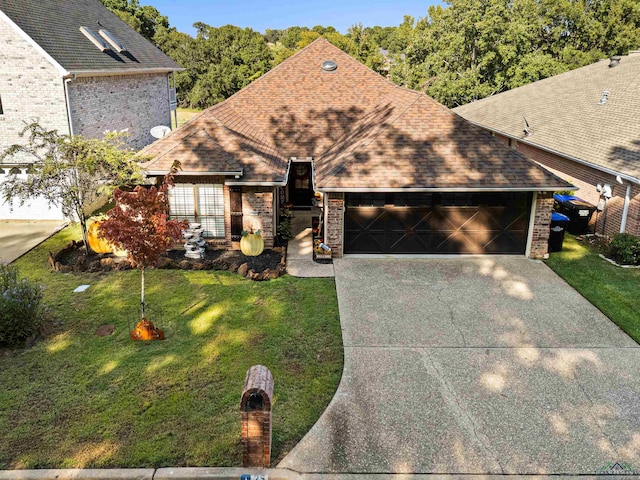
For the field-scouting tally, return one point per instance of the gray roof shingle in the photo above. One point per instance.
(565, 114)
(55, 26)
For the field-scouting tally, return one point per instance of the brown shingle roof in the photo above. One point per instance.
(565, 114)
(362, 131)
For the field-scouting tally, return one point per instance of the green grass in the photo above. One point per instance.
(184, 115)
(78, 400)
(612, 289)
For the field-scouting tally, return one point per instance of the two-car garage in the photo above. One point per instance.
(437, 223)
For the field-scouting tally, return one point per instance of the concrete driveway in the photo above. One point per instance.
(474, 365)
(17, 237)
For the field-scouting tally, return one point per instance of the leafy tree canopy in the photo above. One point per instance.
(143, 19)
(474, 48)
(71, 172)
(460, 51)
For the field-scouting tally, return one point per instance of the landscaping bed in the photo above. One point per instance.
(268, 265)
(78, 400)
(612, 289)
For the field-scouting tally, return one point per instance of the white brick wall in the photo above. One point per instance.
(133, 102)
(30, 88)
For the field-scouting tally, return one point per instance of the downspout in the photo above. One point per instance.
(625, 210)
(66, 95)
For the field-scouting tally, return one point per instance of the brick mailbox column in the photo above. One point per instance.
(255, 406)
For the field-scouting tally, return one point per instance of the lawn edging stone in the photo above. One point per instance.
(613, 262)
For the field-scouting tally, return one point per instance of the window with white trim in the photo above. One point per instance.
(1, 109)
(199, 203)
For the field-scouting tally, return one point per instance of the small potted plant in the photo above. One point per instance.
(251, 243)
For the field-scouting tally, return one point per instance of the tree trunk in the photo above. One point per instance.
(85, 235)
(142, 305)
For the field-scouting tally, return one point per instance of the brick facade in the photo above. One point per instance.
(541, 226)
(31, 89)
(132, 102)
(586, 179)
(334, 203)
(257, 212)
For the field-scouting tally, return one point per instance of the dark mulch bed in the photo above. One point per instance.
(270, 264)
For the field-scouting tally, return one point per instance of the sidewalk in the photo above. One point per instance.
(300, 250)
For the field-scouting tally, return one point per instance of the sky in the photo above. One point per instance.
(277, 14)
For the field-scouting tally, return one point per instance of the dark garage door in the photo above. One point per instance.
(495, 223)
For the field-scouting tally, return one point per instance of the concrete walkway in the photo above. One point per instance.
(473, 366)
(300, 249)
(17, 237)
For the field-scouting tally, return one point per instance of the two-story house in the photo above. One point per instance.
(75, 67)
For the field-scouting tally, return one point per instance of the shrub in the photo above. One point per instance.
(20, 306)
(625, 249)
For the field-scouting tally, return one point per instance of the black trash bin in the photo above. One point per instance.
(579, 212)
(559, 224)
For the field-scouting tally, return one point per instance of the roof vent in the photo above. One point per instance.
(95, 38)
(614, 61)
(112, 40)
(329, 65)
(527, 127)
(605, 97)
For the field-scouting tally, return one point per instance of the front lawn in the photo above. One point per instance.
(614, 290)
(78, 400)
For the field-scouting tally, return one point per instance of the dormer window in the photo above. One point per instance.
(95, 38)
(112, 40)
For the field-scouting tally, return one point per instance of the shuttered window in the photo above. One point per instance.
(200, 203)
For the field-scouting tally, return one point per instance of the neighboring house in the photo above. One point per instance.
(398, 172)
(583, 125)
(75, 67)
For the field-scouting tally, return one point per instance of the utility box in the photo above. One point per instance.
(255, 406)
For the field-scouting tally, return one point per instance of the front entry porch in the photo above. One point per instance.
(300, 249)
(300, 186)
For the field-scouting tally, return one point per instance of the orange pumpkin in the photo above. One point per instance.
(101, 245)
(252, 244)
(96, 243)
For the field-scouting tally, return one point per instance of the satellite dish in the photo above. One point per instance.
(159, 131)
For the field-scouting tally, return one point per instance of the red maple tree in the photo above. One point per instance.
(140, 225)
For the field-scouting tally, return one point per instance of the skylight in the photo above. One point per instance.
(112, 40)
(95, 38)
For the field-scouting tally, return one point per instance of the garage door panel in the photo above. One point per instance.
(501, 226)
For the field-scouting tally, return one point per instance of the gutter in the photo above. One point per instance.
(121, 71)
(615, 173)
(282, 183)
